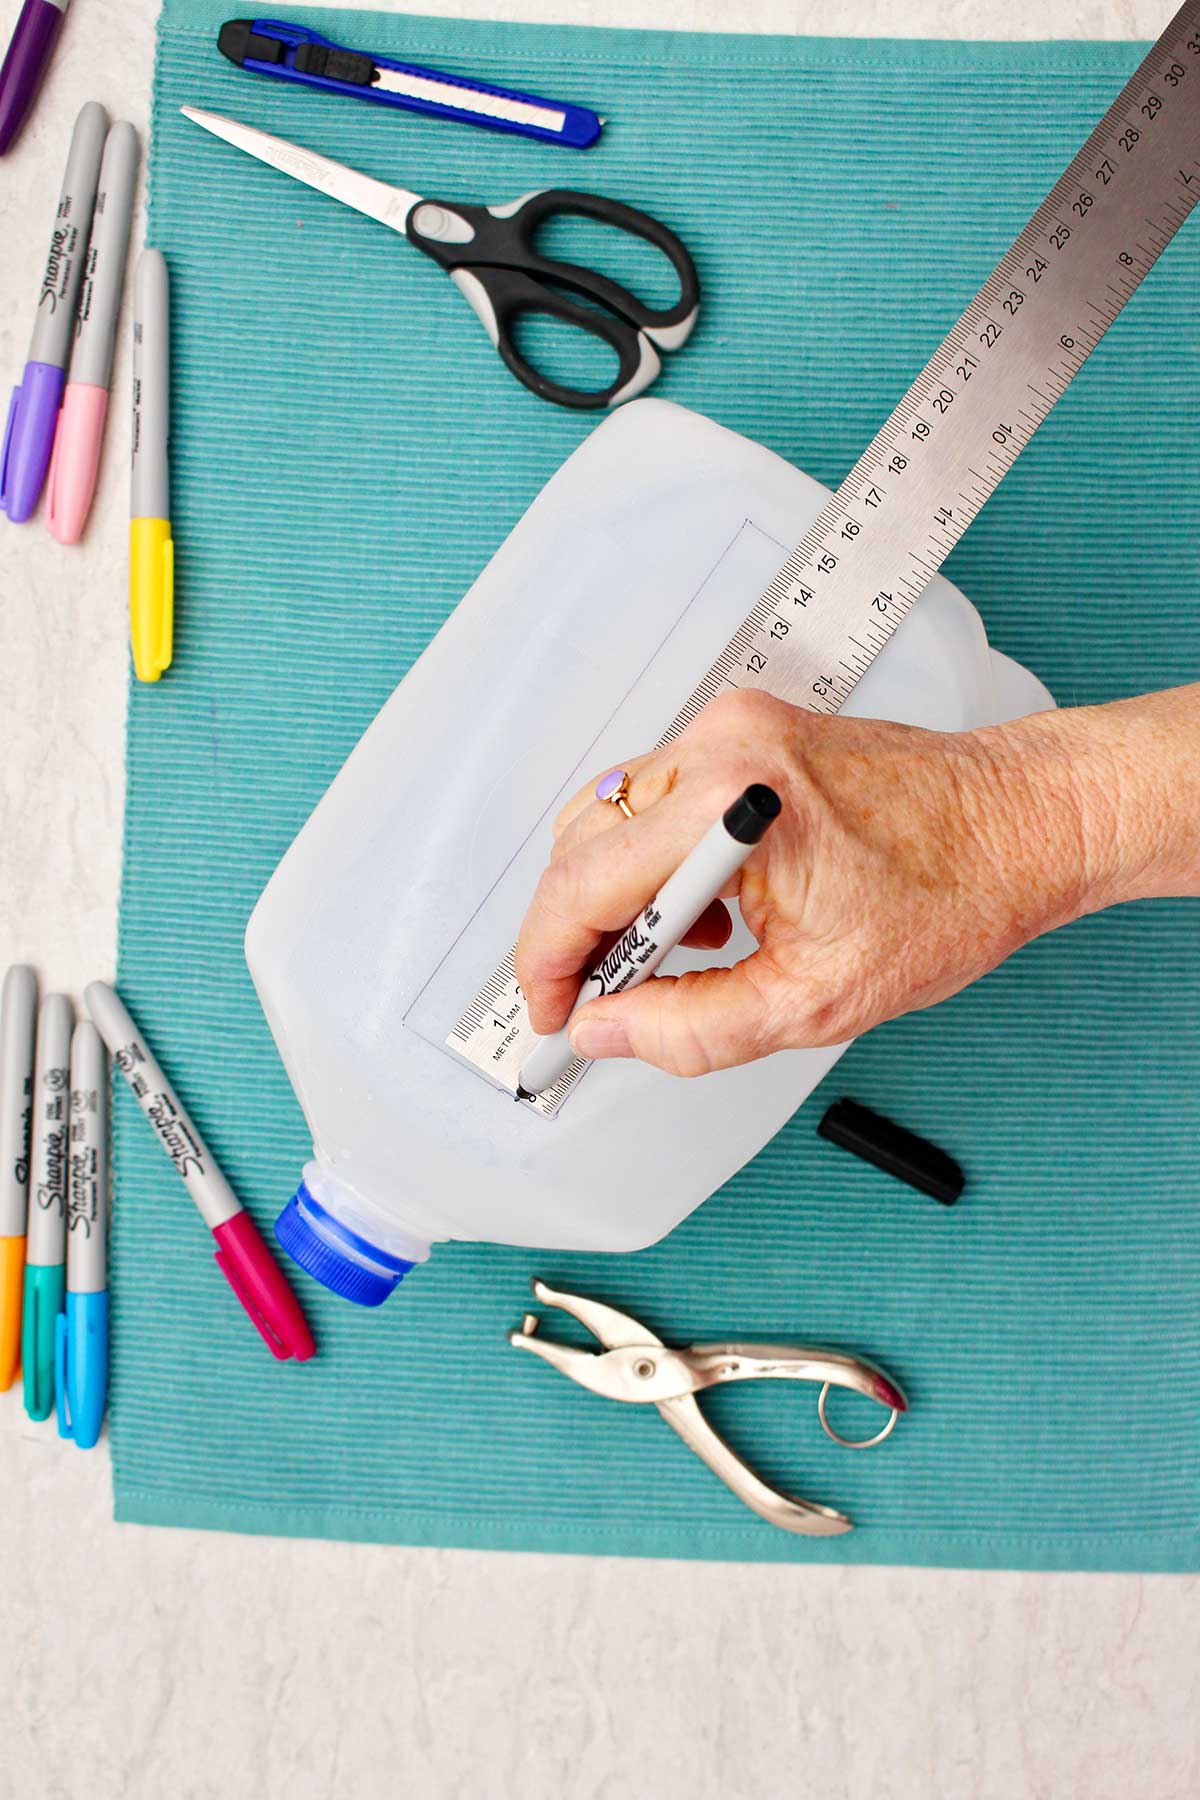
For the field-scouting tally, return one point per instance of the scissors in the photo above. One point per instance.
(490, 255)
(636, 1365)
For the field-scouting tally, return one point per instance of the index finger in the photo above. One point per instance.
(596, 887)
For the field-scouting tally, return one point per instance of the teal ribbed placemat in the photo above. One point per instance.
(347, 454)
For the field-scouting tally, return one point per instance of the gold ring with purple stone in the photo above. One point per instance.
(614, 787)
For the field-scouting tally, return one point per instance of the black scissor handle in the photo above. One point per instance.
(493, 250)
(501, 296)
(503, 237)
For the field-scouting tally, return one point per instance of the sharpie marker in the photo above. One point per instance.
(46, 1236)
(81, 1334)
(26, 62)
(657, 930)
(33, 412)
(76, 459)
(242, 1256)
(151, 551)
(18, 1028)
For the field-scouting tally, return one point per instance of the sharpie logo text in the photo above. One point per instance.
(84, 1189)
(61, 245)
(54, 1167)
(174, 1135)
(632, 950)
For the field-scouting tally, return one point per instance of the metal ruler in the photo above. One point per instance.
(949, 443)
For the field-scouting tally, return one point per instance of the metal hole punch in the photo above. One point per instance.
(637, 1366)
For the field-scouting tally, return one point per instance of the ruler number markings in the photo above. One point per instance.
(1056, 233)
(879, 539)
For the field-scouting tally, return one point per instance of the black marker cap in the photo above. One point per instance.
(237, 39)
(749, 817)
(893, 1149)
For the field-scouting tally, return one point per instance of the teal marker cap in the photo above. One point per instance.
(44, 1285)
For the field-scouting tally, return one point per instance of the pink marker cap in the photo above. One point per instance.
(262, 1288)
(75, 463)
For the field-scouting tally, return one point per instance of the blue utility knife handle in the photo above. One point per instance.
(269, 47)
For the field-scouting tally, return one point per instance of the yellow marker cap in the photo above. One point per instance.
(12, 1281)
(151, 596)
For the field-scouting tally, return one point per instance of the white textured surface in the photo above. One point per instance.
(144, 1664)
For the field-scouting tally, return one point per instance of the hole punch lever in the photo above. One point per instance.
(636, 1366)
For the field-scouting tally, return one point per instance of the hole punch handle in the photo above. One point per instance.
(853, 1443)
(715, 1364)
(804, 1517)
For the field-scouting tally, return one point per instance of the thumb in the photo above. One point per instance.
(686, 1024)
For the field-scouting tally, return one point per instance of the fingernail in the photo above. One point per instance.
(595, 1038)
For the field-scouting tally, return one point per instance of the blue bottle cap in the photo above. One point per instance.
(334, 1255)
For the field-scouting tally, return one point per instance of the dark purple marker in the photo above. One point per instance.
(25, 64)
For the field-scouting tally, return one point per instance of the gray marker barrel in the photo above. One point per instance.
(656, 931)
(18, 1028)
(87, 1189)
(51, 341)
(104, 268)
(215, 1200)
(46, 1236)
(149, 491)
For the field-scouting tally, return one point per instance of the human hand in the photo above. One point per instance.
(905, 864)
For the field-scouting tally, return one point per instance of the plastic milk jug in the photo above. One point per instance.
(573, 651)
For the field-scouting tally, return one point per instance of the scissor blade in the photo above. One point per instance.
(390, 205)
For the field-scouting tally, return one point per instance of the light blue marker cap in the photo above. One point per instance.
(81, 1367)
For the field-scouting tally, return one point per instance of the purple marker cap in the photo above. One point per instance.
(29, 439)
(25, 64)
